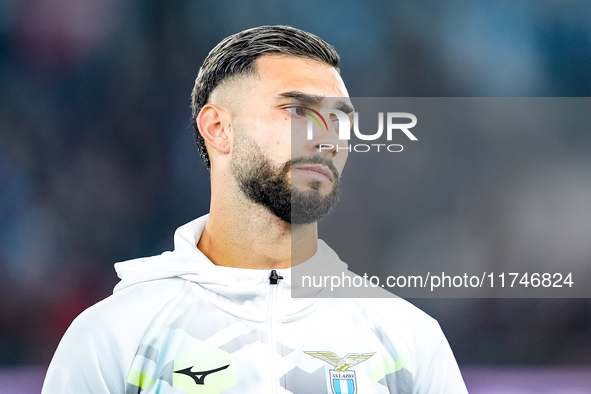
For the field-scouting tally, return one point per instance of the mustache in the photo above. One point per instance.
(316, 159)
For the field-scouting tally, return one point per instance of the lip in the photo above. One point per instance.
(322, 170)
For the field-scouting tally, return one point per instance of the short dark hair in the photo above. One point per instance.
(236, 55)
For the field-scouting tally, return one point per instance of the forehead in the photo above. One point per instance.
(282, 73)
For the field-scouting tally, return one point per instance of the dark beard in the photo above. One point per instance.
(268, 186)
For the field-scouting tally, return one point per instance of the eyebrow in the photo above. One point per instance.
(313, 99)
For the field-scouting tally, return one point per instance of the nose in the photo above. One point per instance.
(323, 139)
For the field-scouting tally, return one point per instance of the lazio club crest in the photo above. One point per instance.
(342, 380)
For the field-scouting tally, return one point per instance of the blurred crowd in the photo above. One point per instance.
(98, 163)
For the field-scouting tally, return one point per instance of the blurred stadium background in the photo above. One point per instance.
(98, 164)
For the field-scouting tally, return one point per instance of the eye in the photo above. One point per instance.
(296, 110)
(335, 121)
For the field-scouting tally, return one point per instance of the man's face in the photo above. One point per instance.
(273, 161)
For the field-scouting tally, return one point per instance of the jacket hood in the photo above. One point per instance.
(187, 262)
(186, 258)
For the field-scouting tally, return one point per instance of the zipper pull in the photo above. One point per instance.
(274, 278)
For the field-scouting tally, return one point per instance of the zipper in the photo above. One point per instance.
(272, 319)
(274, 277)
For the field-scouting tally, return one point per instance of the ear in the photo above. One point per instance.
(212, 122)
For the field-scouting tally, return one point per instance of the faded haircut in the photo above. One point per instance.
(236, 55)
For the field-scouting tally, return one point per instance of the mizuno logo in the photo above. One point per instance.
(199, 377)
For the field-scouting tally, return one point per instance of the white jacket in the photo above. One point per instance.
(177, 323)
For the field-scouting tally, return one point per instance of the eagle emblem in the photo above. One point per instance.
(341, 364)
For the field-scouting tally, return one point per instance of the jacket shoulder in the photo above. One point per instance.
(433, 363)
(101, 342)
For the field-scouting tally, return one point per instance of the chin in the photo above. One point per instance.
(313, 189)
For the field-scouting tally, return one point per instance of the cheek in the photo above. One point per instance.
(274, 138)
(340, 160)
(280, 138)
(294, 133)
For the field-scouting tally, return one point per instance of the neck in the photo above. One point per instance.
(246, 235)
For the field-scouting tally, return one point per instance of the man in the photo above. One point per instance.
(216, 314)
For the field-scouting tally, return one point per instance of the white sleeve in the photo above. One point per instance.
(87, 360)
(437, 371)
